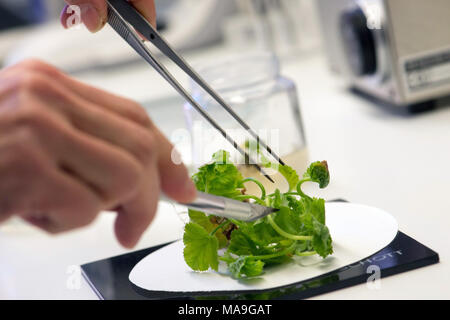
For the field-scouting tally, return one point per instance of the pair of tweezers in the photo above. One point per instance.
(129, 23)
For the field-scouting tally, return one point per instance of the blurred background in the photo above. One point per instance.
(364, 84)
(275, 24)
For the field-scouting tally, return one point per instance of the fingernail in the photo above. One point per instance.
(91, 17)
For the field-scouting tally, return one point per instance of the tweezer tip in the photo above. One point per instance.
(272, 210)
(263, 173)
(260, 211)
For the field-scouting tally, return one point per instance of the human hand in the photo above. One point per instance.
(94, 12)
(69, 151)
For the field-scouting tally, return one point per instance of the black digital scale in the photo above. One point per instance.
(109, 277)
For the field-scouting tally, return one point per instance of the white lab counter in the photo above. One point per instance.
(397, 163)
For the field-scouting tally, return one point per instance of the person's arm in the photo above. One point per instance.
(94, 12)
(69, 151)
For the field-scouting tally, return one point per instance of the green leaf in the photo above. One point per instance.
(313, 206)
(258, 240)
(200, 251)
(246, 266)
(317, 209)
(279, 200)
(254, 151)
(264, 234)
(312, 217)
(318, 172)
(290, 175)
(242, 244)
(200, 218)
(295, 205)
(221, 157)
(203, 220)
(298, 227)
(302, 246)
(321, 239)
(288, 220)
(219, 177)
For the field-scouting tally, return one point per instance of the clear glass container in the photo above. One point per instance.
(253, 86)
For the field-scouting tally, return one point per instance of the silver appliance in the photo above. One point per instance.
(394, 50)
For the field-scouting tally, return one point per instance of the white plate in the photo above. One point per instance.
(358, 232)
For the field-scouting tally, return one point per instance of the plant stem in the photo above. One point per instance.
(306, 253)
(223, 224)
(285, 194)
(291, 194)
(284, 233)
(245, 197)
(263, 190)
(299, 188)
(277, 254)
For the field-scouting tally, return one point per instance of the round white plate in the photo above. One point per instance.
(358, 231)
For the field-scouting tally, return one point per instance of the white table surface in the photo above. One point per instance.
(397, 163)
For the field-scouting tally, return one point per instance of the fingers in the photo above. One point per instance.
(175, 180)
(84, 115)
(134, 217)
(98, 144)
(117, 104)
(108, 171)
(50, 199)
(68, 204)
(94, 12)
(111, 102)
(123, 122)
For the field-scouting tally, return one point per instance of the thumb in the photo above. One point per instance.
(93, 13)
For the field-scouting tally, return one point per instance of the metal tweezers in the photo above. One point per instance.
(128, 22)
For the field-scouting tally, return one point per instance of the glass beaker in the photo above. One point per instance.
(252, 85)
